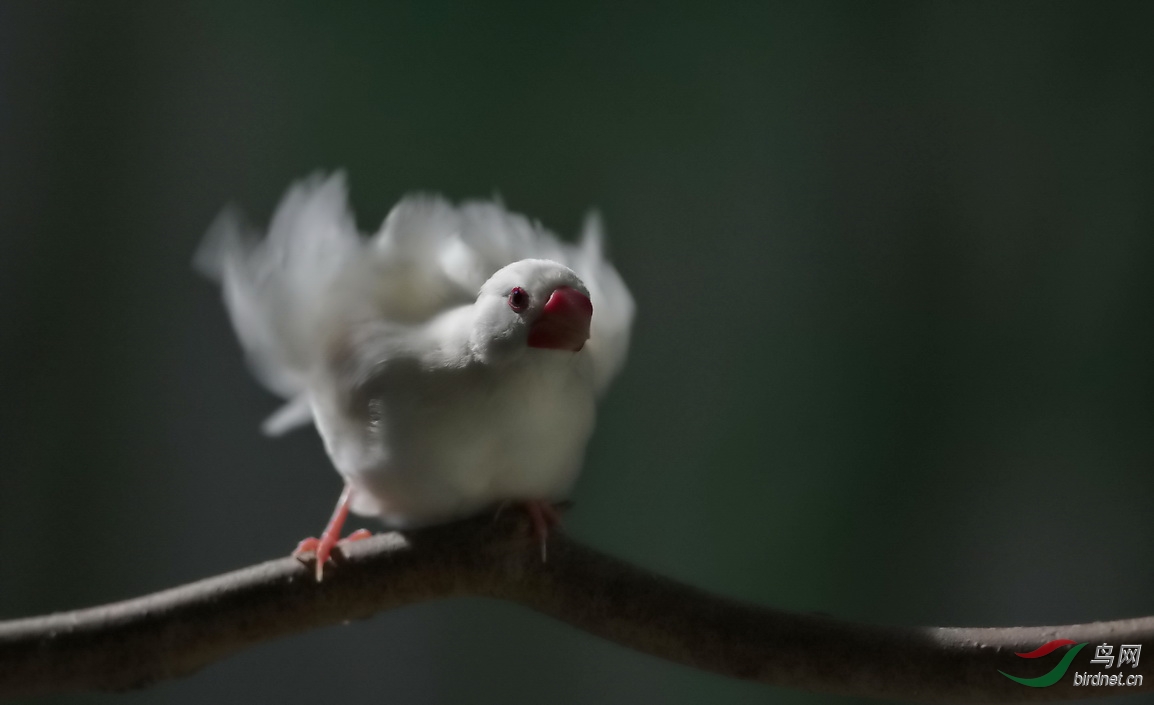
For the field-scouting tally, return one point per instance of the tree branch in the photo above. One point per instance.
(176, 632)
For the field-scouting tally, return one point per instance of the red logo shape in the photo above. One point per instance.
(1046, 648)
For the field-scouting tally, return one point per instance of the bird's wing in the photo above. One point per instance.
(290, 293)
(279, 289)
(293, 292)
(609, 333)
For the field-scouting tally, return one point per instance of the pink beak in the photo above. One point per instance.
(564, 321)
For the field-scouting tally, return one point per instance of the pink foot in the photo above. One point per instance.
(544, 516)
(311, 544)
(308, 545)
(331, 535)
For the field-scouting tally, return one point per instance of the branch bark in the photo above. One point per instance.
(176, 632)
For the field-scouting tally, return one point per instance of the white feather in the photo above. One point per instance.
(397, 345)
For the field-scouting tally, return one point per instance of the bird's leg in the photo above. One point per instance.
(544, 516)
(332, 534)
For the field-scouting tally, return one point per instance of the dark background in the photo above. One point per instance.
(893, 359)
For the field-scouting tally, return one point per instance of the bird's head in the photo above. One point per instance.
(532, 303)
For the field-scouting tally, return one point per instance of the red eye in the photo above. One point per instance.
(518, 299)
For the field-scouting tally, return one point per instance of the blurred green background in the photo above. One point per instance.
(893, 359)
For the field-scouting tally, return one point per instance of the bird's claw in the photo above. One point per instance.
(308, 545)
(324, 547)
(543, 516)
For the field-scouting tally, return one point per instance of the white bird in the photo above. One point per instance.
(451, 362)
